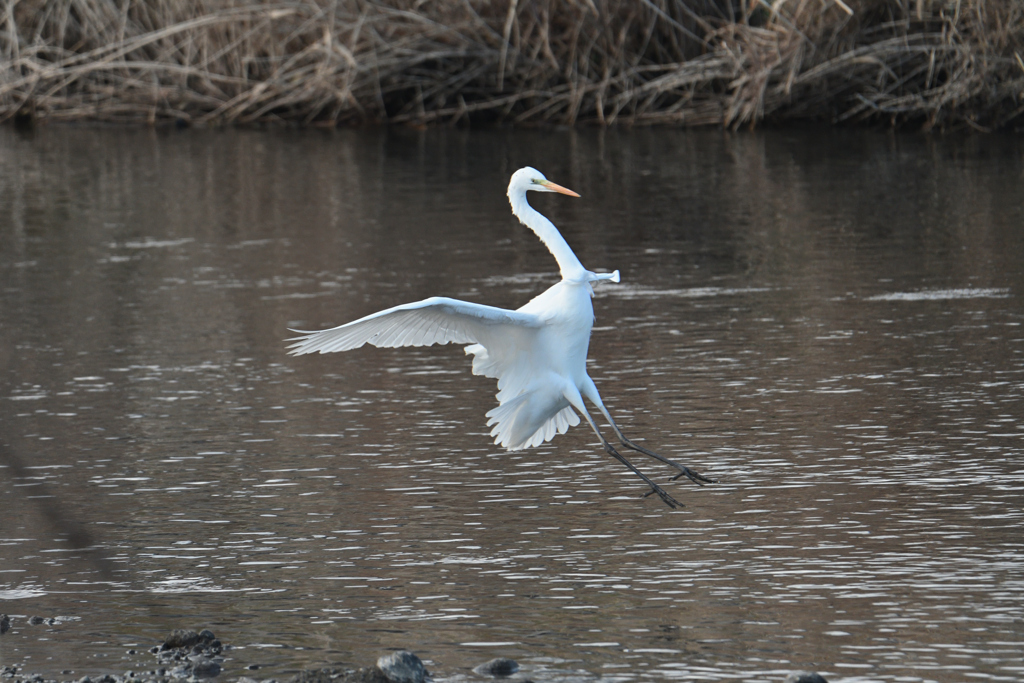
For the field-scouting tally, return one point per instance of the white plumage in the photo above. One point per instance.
(537, 353)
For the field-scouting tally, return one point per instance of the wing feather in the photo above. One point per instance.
(437, 320)
(501, 341)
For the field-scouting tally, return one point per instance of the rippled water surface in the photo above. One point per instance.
(828, 323)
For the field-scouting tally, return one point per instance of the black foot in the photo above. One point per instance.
(663, 494)
(696, 477)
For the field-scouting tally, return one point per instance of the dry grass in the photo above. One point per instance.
(941, 63)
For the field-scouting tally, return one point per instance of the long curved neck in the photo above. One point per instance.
(568, 264)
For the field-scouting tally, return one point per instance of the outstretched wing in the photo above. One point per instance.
(437, 320)
(502, 342)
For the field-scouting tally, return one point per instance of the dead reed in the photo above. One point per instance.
(941, 63)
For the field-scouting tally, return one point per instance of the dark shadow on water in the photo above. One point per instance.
(62, 519)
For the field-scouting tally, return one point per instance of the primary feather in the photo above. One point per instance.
(437, 320)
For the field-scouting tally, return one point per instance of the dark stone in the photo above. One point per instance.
(500, 666)
(5, 624)
(319, 676)
(35, 621)
(181, 671)
(369, 674)
(180, 638)
(253, 667)
(205, 668)
(805, 677)
(186, 642)
(402, 667)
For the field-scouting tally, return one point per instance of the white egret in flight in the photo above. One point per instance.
(537, 353)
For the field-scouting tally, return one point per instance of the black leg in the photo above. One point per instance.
(662, 493)
(694, 476)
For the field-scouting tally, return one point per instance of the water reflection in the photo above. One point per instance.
(828, 323)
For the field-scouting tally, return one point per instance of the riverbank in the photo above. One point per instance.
(920, 63)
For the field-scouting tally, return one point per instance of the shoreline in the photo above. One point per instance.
(922, 64)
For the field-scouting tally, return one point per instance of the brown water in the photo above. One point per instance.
(829, 323)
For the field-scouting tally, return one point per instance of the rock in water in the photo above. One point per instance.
(369, 674)
(183, 671)
(185, 640)
(402, 667)
(805, 677)
(205, 668)
(325, 675)
(181, 637)
(500, 666)
(5, 624)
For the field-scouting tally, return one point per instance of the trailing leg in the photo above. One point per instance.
(694, 476)
(662, 493)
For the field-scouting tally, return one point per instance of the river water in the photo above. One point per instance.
(829, 323)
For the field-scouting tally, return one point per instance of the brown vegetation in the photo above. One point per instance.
(686, 62)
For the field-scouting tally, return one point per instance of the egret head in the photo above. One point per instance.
(526, 179)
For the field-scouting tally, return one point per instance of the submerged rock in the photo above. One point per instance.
(181, 637)
(805, 677)
(195, 653)
(325, 675)
(500, 666)
(205, 668)
(5, 624)
(183, 642)
(369, 674)
(402, 667)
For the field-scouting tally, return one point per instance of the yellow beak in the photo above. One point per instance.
(557, 188)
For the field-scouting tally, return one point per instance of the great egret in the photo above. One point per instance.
(537, 353)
